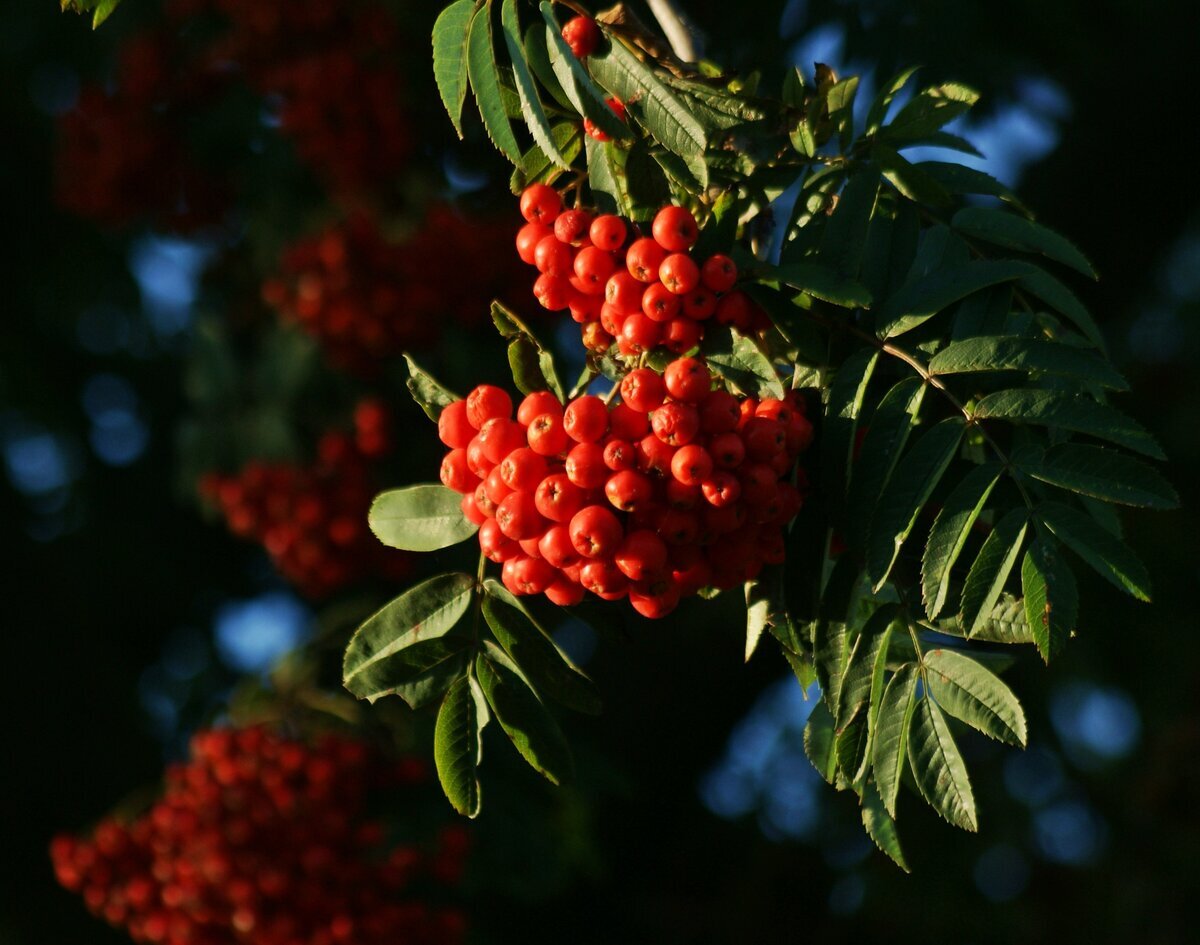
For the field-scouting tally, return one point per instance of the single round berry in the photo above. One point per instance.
(540, 203)
(687, 379)
(500, 436)
(554, 258)
(571, 226)
(721, 489)
(582, 34)
(619, 455)
(642, 556)
(523, 469)
(552, 292)
(586, 419)
(764, 438)
(679, 273)
(524, 575)
(557, 498)
(675, 229)
(655, 606)
(454, 427)
(497, 488)
(691, 464)
(536, 404)
(519, 518)
(528, 238)
(628, 490)
(675, 424)
(719, 273)
(565, 592)
(654, 456)
(456, 474)
(624, 293)
(607, 232)
(627, 423)
(604, 579)
(495, 545)
(556, 548)
(727, 450)
(593, 266)
(699, 304)
(719, 412)
(546, 435)
(585, 466)
(486, 402)
(643, 259)
(596, 532)
(660, 304)
(681, 335)
(643, 390)
(734, 309)
(639, 333)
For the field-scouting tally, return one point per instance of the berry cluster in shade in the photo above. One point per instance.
(638, 291)
(312, 519)
(678, 487)
(267, 840)
(365, 298)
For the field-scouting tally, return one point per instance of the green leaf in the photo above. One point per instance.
(450, 32)
(830, 648)
(1102, 474)
(906, 494)
(1103, 551)
(485, 83)
(1074, 412)
(819, 742)
(958, 179)
(846, 395)
(664, 116)
(845, 236)
(1051, 599)
(527, 723)
(919, 301)
(531, 106)
(840, 99)
(928, 111)
(424, 517)
(430, 396)
(974, 694)
(880, 826)
(944, 139)
(424, 671)
(938, 767)
(1061, 299)
(851, 747)
(577, 85)
(1014, 232)
(1031, 355)
(863, 664)
(762, 608)
(538, 656)
(949, 534)
(887, 94)
(993, 564)
(909, 179)
(890, 745)
(741, 362)
(823, 283)
(100, 9)
(881, 448)
(608, 189)
(532, 364)
(890, 251)
(458, 744)
(538, 58)
(537, 168)
(792, 94)
(375, 661)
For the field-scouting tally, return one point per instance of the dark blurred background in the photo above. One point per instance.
(128, 616)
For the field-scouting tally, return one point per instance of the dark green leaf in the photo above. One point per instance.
(862, 665)
(450, 32)
(842, 411)
(538, 58)
(1074, 412)
(535, 167)
(793, 88)
(576, 84)
(949, 534)
(988, 574)
(428, 670)
(1098, 547)
(974, 694)
(919, 301)
(430, 396)
(1102, 474)
(887, 94)
(485, 83)
(890, 746)
(823, 283)
(741, 362)
(819, 742)
(880, 826)
(845, 236)
(458, 744)
(532, 364)
(527, 723)
(907, 492)
(890, 251)
(958, 179)
(1051, 599)
(851, 748)
(425, 517)
(928, 111)
(909, 179)
(531, 648)
(840, 99)
(1032, 355)
(938, 767)
(374, 663)
(1014, 232)
(881, 448)
(531, 106)
(830, 649)
(1061, 299)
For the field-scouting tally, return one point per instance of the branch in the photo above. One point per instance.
(683, 35)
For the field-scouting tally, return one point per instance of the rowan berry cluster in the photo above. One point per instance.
(637, 291)
(312, 519)
(677, 487)
(263, 839)
(366, 298)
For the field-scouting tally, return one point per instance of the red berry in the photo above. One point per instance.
(456, 474)
(611, 319)
(675, 424)
(565, 593)
(764, 438)
(607, 232)
(619, 455)
(660, 304)
(536, 404)
(556, 548)
(719, 273)
(554, 293)
(628, 490)
(585, 466)
(571, 226)
(727, 450)
(682, 335)
(540, 203)
(495, 545)
(486, 402)
(594, 131)
(680, 496)
(547, 436)
(655, 606)
(557, 498)
(523, 469)
(627, 423)
(593, 266)
(643, 259)
(499, 437)
(519, 518)
(454, 427)
(758, 484)
(604, 579)
(699, 304)
(679, 273)
(623, 292)
(586, 419)
(528, 238)
(553, 258)
(496, 487)
(595, 532)
(643, 390)
(722, 489)
(525, 575)
(678, 527)
(687, 379)
(642, 556)
(582, 35)
(734, 309)
(675, 229)
(691, 464)
(654, 456)
(639, 333)
(719, 412)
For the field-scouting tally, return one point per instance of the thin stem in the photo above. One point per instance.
(683, 35)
